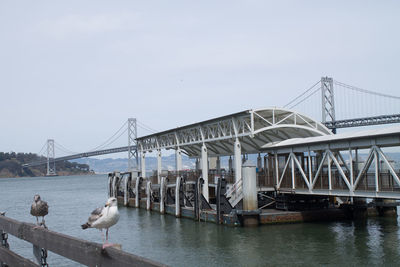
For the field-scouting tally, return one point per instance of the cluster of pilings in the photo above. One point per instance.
(182, 196)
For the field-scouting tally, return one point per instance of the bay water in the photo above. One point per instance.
(184, 242)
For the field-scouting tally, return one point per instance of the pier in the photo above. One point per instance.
(301, 167)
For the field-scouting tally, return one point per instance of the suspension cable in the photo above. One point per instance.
(364, 90)
(115, 139)
(304, 99)
(145, 127)
(64, 149)
(309, 89)
(105, 143)
(41, 150)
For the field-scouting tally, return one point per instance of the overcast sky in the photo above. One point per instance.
(76, 70)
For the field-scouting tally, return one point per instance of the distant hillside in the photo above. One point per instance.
(11, 166)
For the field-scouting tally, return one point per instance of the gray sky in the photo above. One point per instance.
(76, 70)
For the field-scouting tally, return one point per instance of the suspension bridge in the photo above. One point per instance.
(335, 104)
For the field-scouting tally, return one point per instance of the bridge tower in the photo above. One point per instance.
(328, 101)
(133, 160)
(51, 164)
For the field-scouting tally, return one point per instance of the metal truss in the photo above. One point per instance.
(328, 103)
(367, 121)
(133, 159)
(51, 164)
(349, 178)
(253, 128)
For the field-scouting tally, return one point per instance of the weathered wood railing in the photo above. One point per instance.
(82, 251)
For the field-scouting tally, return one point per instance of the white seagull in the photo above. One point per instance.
(103, 218)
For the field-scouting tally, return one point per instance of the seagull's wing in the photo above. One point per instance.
(33, 209)
(95, 215)
(43, 208)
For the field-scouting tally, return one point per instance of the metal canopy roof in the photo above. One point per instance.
(383, 137)
(253, 128)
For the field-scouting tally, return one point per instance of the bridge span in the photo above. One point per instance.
(83, 155)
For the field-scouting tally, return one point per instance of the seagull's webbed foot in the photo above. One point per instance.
(106, 245)
(43, 223)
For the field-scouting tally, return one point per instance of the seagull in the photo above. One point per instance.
(39, 208)
(103, 218)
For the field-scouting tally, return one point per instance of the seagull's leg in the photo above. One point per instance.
(43, 223)
(107, 244)
(102, 235)
(37, 223)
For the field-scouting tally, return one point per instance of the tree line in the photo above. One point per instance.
(11, 165)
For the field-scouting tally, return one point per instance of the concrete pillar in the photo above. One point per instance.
(230, 164)
(126, 189)
(178, 160)
(159, 167)
(250, 202)
(148, 195)
(218, 165)
(163, 192)
(143, 164)
(137, 193)
(197, 164)
(204, 170)
(177, 197)
(238, 164)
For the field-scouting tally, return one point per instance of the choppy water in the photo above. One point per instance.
(183, 242)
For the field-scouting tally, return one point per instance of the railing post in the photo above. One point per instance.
(4, 239)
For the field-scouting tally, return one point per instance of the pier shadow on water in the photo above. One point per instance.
(184, 242)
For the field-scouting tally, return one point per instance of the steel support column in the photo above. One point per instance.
(328, 100)
(238, 162)
(178, 160)
(204, 169)
(159, 167)
(218, 165)
(51, 164)
(133, 159)
(259, 163)
(143, 164)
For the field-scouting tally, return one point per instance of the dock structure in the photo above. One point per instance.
(300, 166)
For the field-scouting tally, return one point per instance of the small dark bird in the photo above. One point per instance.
(39, 208)
(2, 213)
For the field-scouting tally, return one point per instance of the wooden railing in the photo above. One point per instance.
(78, 250)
